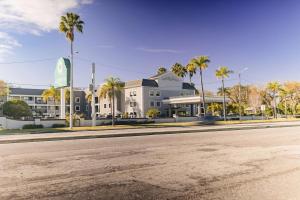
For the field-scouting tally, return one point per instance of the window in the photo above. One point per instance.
(56, 108)
(77, 108)
(104, 105)
(151, 93)
(133, 104)
(87, 108)
(109, 105)
(96, 99)
(77, 99)
(132, 93)
(158, 93)
(158, 104)
(30, 98)
(152, 104)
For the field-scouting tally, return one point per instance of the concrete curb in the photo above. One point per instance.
(81, 137)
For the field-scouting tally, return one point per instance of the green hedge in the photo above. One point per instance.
(58, 125)
(32, 126)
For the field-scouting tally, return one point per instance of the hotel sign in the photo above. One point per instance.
(62, 73)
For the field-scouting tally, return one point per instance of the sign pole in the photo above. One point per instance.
(93, 96)
(62, 104)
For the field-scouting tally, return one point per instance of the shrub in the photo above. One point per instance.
(58, 125)
(16, 109)
(152, 112)
(32, 126)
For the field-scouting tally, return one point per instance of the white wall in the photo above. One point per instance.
(18, 124)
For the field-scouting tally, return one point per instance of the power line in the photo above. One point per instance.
(27, 61)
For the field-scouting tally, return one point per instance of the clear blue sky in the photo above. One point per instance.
(130, 39)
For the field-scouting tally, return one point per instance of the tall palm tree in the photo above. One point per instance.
(202, 63)
(161, 70)
(105, 92)
(222, 73)
(191, 70)
(113, 86)
(51, 93)
(274, 88)
(68, 24)
(179, 70)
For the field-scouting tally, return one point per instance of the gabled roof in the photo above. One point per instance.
(143, 82)
(188, 86)
(25, 91)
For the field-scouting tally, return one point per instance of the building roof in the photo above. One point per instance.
(143, 82)
(188, 86)
(25, 91)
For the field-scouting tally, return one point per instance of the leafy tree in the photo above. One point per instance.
(161, 70)
(111, 87)
(179, 70)
(273, 88)
(152, 112)
(215, 109)
(68, 24)
(3, 88)
(16, 109)
(51, 93)
(222, 73)
(202, 63)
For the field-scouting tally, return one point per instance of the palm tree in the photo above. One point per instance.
(274, 87)
(161, 70)
(113, 85)
(222, 73)
(104, 92)
(191, 70)
(51, 93)
(178, 70)
(68, 24)
(202, 63)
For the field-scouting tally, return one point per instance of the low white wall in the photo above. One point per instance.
(18, 124)
(164, 120)
(186, 119)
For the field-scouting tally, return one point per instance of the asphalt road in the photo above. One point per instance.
(235, 165)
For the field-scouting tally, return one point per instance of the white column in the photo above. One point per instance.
(62, 104)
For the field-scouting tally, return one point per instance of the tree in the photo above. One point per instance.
(105, 92)
(191, 70)
(222, 73)
(152, 112)
(214, 108)
(202, 63)
(178, 70)
(51, 93)
(161, 70)
(113, 85)
(273, 88)
(254, 98)
(3, 88)
(16, 109)
(68, 24)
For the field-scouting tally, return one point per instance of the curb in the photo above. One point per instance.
(139, 134)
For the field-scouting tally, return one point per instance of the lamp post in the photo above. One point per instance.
(240, 106)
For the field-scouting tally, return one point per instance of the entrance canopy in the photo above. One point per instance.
(193, 100)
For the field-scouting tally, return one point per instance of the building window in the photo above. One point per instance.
(104, 105)
(77, 99)
(96, 99)
(152, 104)
(109, 105)
(151, 93)
(158, 104)
(158, 93)
(133, 104)
(87, 108)
(77, 108)
(56, 107)
(30, 98)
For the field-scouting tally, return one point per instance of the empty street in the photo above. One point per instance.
(245, 164)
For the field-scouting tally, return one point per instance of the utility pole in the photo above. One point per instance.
(240, 85)
(93, 96)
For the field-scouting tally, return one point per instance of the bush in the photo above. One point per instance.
(32, 126)
(16, 109)
(58, 125)
(152, 112)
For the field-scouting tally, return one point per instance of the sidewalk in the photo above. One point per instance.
(137, 132)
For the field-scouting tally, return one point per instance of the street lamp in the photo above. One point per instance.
(240, 74)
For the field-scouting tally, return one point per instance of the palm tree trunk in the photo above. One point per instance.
(224, 106)
(71, 88)
(113, 107)
(275, 110)
(203, 94)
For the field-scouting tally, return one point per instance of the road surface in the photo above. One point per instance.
(235, 165)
